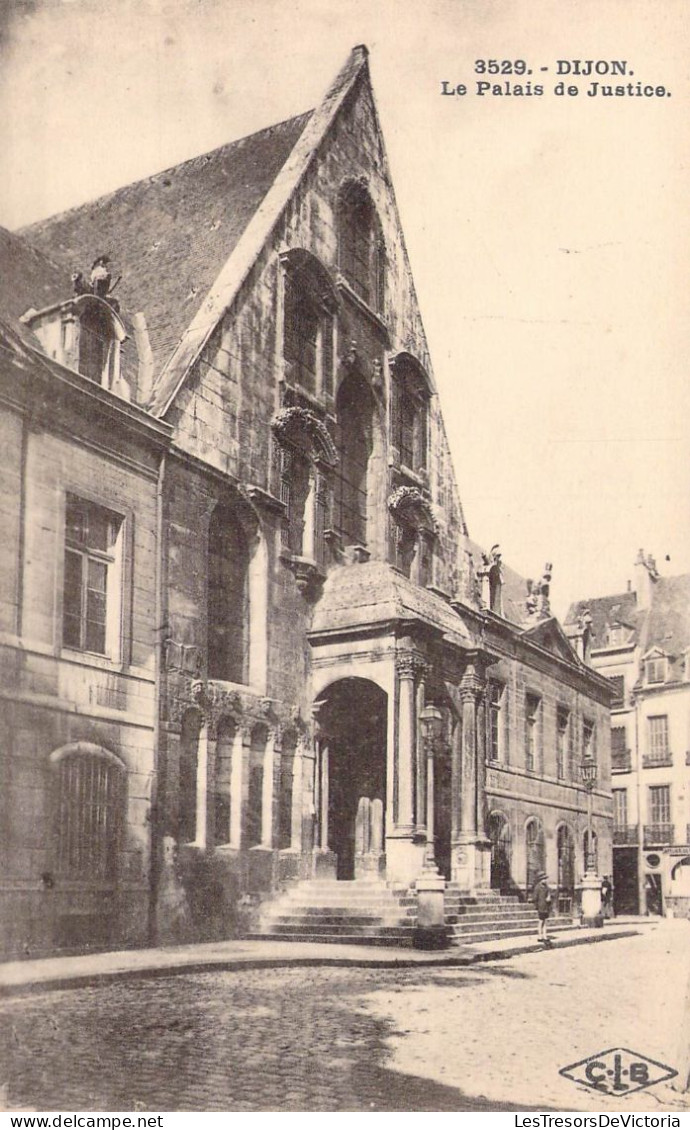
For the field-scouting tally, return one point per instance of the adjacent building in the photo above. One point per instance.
(640, 641)
(238, 569)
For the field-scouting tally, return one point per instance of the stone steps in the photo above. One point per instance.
(373, 912)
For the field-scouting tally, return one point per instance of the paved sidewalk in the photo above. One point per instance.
(17, 977)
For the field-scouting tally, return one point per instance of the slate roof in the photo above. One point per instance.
(666, 624)
(28, 278)
(621, 608)
(169, 235)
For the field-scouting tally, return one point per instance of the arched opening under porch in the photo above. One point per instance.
(351, 777)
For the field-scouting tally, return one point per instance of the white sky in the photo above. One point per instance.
(549, 237)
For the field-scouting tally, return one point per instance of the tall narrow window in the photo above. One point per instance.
(223, 777)
(535, 851)
(620, 808)
(88, 812)
(360, 248)
(660, 805)
(562, 741)
(228, 597)
(589, 741)
(92, 582)
(496, 733)
(532, 734)
(658, 738)
(257, 753)
(187, 777)
(285, 791)
(354, 410)
(409, 412)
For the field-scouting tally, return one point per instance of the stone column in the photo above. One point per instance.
(404, 850)
(202, 788)
(469, 867)
(421, 806)
(323, 795)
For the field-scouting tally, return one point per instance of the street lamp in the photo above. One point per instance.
(431, 725)
(591, 885)
(588, 770)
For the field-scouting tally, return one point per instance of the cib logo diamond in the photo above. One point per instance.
(618, 1071)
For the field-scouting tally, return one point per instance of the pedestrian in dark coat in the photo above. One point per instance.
(541, 897)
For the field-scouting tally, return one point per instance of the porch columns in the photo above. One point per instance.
(407, 665)
(470, 858)
(404, 848)
(323, 796)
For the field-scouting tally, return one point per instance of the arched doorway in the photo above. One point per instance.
(352, 721)
(501, 851)
(566, 869)
(535, 851)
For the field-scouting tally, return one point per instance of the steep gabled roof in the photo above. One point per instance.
(169, 235)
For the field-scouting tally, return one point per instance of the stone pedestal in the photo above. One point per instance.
(431, 932)
(404, 857)
(471, 863)
(591, 901)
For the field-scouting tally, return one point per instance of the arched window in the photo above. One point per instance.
(566, 868)
(187, 777)
(501, 851)
(354, 411)
(90, 795)
(535, 851)
(257, 753)
(360, 247)
(100, 335)
(228, 597)
(409, 412)
(309, 304)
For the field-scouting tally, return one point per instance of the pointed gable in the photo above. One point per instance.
(549, 635)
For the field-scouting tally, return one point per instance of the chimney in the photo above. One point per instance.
(646, 577)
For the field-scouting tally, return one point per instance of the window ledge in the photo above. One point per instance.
(350, 293)
(417, 478)
(308, 574)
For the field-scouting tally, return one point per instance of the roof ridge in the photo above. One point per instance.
(107, 197)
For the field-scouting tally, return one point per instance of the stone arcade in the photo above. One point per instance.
(238, 578)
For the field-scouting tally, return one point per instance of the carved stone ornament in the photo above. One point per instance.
(288, 421)
(409, 664)
(410, 508)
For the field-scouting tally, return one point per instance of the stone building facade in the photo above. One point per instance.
(640, 641)
(301, 583)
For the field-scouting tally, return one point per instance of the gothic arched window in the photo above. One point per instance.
(360, 247)
(354, 412)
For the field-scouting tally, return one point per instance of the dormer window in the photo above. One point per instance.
(84, 334)
(99, 343)
(655, 670)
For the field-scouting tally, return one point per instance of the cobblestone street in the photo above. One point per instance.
(331, 1039)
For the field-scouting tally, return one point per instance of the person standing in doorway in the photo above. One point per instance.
(542, 899)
